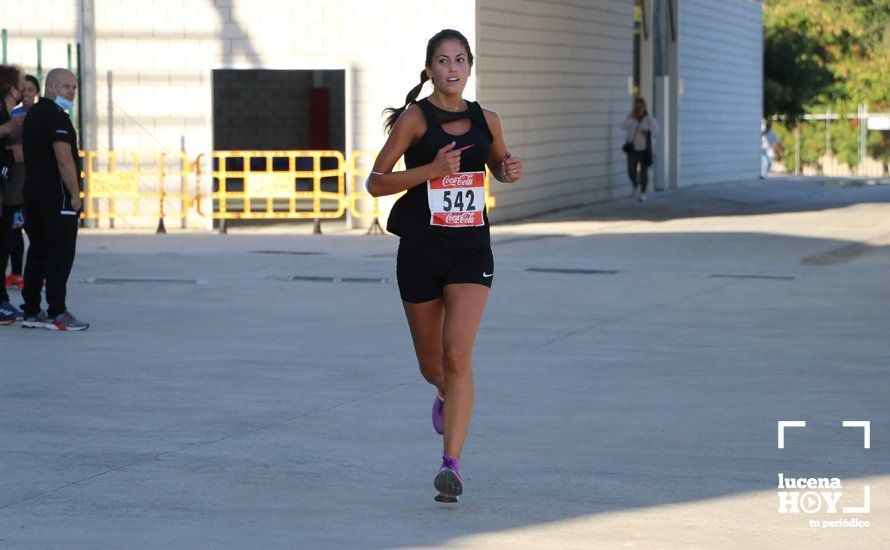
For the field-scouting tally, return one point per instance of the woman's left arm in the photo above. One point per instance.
(504, 166)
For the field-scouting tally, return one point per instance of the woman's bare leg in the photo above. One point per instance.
(464, 306)
(425, 321)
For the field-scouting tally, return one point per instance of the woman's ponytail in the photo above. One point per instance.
(393, 113)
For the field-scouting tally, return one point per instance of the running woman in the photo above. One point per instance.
(445, 266)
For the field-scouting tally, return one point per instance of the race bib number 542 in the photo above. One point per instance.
(457, 200)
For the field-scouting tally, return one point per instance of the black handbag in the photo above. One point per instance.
(628, 147)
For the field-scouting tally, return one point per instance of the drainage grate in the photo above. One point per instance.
(767, 277)
(289, 252)
(737, 202)
(573, 271)
(855, 183)
(318, 279)
(526, 238)
(124, 280)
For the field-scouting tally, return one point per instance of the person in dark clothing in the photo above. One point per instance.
(444, 266)
(52, 203)
(640, 129)
(11, 81)
(30, 92)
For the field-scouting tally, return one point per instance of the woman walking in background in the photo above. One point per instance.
(640, 129)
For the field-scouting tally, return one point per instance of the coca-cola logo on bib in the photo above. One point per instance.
(458, 180)
(460, 218)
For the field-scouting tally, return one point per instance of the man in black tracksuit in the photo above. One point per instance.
(52, 203)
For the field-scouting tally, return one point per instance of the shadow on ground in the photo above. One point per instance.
(253, 411)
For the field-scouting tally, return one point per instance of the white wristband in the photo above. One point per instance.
(368, 181)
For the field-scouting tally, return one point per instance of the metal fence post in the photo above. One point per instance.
(222, 176)
(316, 199)
(863, 137)
(40, 60)
(161, 230)
(183, 206)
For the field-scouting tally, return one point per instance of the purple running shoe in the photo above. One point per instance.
(438, 413)
(448, 481)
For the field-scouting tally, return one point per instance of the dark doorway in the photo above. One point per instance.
(280, 110)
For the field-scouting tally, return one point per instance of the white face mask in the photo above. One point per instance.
(64, 103)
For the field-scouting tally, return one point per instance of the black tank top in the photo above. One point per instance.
(410, 216)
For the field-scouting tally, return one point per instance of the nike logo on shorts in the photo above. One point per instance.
(487, 275)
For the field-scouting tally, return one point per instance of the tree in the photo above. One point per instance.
(827, 54)
(795, 71)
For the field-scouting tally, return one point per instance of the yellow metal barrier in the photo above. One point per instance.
(360, 165)
(286, 184)
(136, 178)
(246, 185)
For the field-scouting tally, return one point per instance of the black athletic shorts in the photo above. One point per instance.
(424, 270)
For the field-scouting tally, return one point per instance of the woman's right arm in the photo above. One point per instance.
(408, 128)
(12, 127)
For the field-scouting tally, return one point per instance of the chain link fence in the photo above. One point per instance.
(834, 144)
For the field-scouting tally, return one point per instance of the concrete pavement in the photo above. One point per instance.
(634, 360)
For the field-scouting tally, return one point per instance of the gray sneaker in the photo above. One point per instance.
(35, 321)
(65, 321)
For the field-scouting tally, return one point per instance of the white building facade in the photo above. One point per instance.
(168, 75)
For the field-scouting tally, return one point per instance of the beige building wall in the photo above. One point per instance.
(721, 64)
(556, 71)
(557, 74)
(160, 54)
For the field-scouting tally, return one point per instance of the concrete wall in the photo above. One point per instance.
(555, 71)
(721, 64)
(557, 75)
(161, 54)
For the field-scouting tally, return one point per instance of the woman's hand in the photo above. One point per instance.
(447, 161)
(511, 169)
